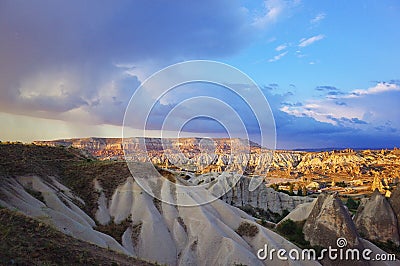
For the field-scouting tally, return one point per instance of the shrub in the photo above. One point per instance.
(293, 231)
(247, 229)
(352, 204)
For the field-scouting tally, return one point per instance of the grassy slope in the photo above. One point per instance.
(19, 159)
(79, 177)
(26, 241)
(68, 164)
(74, 170)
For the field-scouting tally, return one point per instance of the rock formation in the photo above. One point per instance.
(212, 234)
(231, 155)
(300, 213)
(377, 184)
(394, 201)
(328, 221)
(263, 197)
(376, 221)
(102, 204)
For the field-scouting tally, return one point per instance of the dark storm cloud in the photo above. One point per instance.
(57, 56)
(128, 30)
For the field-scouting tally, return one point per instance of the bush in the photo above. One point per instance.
(115, 230)
(247, 229)
(287, 227)
(293, 231)
(352, 204)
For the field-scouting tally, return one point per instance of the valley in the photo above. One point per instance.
(95, 199)
(348, 172)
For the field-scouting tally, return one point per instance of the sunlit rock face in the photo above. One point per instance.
(101, 203)
(223, 154)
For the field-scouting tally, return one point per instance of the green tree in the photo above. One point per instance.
(352, 204)
(293, 231)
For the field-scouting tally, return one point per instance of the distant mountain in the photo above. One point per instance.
(113, 147)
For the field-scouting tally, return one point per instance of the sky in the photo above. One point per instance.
(329, 69)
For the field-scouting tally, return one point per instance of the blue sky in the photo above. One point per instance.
(329, 69)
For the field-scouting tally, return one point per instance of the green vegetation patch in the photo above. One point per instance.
(79, 177)
(136, 230)
(247, 229)
(352, 205)
(36, 194)
(115, 230)
(264, 215)
(293, 231)
(20, 159)
(389, 247)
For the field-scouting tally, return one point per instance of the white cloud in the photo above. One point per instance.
(318, 18)
(277, 57)
(375, 108)
(306, 42)
(299, 54)
(281, 47)
(379, 88)
(273, 11)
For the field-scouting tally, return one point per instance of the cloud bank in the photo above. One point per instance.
(80, 62)
(371, 115)
(83, 60)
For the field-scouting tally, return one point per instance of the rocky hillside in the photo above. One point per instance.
(100, 203)
(204, 156)
(322, 222)
(262, 197)
(27, 241)
(376, 220)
